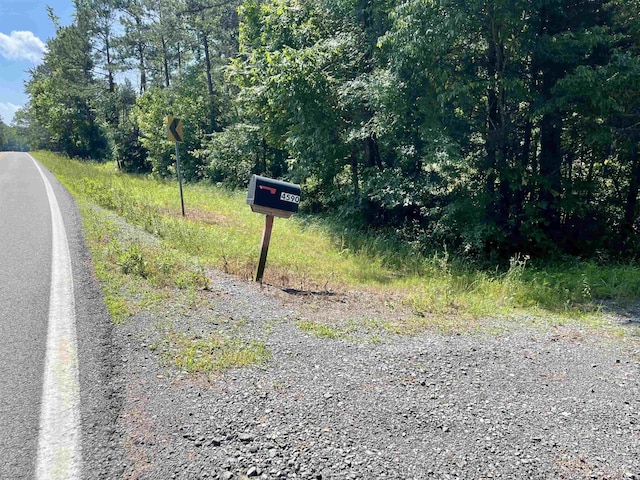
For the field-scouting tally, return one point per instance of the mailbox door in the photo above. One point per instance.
(272, 196)
(280, 195)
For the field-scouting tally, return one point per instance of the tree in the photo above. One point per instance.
(3, 135)
(63, 94)
(165, 35)
(132, 46)
(99, 16)
(149, 116)
(604, 99)
(494, 67)
(491, 126)
(215, 26)
(297, 65)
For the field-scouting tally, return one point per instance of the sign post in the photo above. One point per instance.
(174, 131)
(179, 178)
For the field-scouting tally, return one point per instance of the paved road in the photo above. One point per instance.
(27, 222)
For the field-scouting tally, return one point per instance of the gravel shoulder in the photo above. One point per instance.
(536, 402)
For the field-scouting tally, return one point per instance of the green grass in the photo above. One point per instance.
(220, 231)
(322, 330)
(137, 272)
(215, 353)
(372, 330)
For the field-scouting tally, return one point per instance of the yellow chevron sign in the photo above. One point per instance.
(174, 129)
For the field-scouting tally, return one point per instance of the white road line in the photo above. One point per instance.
(59, 449)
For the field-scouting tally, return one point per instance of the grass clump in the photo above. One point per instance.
(215, 353)
(322, 330)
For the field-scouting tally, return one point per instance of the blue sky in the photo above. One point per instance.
(24, 30)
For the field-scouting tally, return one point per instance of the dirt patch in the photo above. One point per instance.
(336, 307)
(196, 215)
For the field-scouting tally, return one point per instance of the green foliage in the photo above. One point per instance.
(30, 134)
(150, 114)
(294, 60)
(232, 155)
(195, 278)
(3, 135)
(132, 261)
(12, 137)
(321, 330)
(63, 95)
(129, 152)
(491, 127)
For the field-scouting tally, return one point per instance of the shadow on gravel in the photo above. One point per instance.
(308, 293)
(627, 315)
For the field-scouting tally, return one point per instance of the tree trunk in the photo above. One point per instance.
(372, 153)
(141, 59)
(112, 83)
(496, 162)
(354, 175)
(493, 128)
(550, 172)
(631, 204)
(113, 115)
(143, 70)
(207, 63)
(520, 190)
(550, 159)
(365, 18)
(165, 61)
(179, 51)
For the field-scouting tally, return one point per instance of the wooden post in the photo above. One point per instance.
(264, 248)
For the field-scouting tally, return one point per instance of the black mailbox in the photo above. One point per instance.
(273, 197)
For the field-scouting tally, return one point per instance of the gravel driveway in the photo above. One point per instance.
(527, 403)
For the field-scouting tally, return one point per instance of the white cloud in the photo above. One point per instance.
(22, 46)
(7, 110)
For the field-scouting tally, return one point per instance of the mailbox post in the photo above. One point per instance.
(274, 198)
(264, 247)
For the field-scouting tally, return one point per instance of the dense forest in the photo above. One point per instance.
(12, 138)
(487, 126)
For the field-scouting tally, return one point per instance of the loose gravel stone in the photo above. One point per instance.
(536, 403)
(245, 437)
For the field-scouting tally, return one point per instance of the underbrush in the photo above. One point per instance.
(221, 232)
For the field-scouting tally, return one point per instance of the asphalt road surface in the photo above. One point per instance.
(57, 407)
